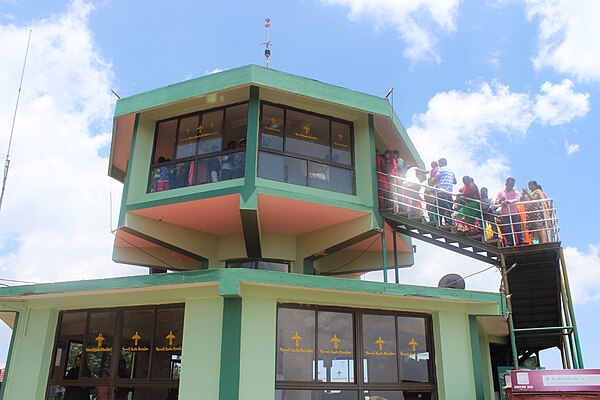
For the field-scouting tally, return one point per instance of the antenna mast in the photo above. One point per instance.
(267, 42)
(7, 164)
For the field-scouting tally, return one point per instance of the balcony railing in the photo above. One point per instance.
(524, 223)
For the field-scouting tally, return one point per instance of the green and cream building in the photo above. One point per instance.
(251, 195)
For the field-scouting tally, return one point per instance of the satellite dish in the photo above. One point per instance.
(453, 281)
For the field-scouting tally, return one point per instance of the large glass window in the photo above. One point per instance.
(134, 353)
(199, 148)
(306, 149)
(391, 358)
(257, 263)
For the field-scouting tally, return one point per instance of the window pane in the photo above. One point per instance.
(241, 264)
(281, 168)
(271, 132)
(138, 327)
(307, 134)
(188, 136)
(340, 143)
(207, 170)
(210, 132)
(414, 352)
(395, 395)
(99, 343)
(316, 395)
(295, 344)
(165, 140)
(166, 357)
(274, 266)
(146, 393)
(379, 345)
(236, 125)
(336, 347)
(69, 344)
(331, 178)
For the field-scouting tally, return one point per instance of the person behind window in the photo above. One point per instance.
(102, 392)
(239, 160)
(227, 162)
(76, 392)
(163, 177)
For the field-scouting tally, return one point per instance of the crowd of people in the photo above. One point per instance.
(513, 217)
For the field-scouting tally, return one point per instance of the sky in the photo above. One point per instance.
(500, 88)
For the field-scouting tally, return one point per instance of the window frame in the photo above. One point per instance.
(256, 261)
(113, 380)
(359, 386)
(174, 161)
(305, 157)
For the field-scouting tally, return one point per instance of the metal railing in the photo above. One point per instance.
(520, 224)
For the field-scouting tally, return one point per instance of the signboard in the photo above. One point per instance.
(555, 381)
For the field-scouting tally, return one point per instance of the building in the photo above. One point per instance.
(257, 190)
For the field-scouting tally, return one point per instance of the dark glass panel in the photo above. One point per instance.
(295, 345)
(341, 145)
(323, 176)
(414, 351)
(165, 140)
(187, 137)
(206, 170)
(281, 168)
(69, 345)
(274, 266)
(241, 264)
(379, 346)
(146, 393)
(210, 132)
(239, 163)
(99, 343)
(271, 128)
(167, 347)
(136, 344)
(395, 395)
(236, 126)
(335, 357)
(307, 134)
(316, 395)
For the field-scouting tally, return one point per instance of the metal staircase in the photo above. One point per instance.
(539, 309)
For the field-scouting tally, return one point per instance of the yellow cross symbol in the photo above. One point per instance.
(335, 340)
(170, 337)
(340, 137)
(380, 342)
(135, 338)
(200, 128)
(273, 121)
(306, 128)
(297, 338)
(414, 344)
(100, 339)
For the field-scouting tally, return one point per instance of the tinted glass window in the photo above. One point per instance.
(189, 132)
(307, 134)
(136, 344)
(271, 133)
(166, 360)
(282, 168)
(341, 145)
(165, 140)
(99, 344)
(295, 344)
(379, 348)
(335, 357)
(414, 350)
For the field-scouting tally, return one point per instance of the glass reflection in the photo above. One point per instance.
(295, 344)
(379, 344)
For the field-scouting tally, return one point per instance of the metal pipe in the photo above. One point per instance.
(383, 255)
(396, 257)
(571, 309)
(511, 326)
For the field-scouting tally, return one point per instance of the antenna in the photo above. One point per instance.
(267, 42)
(12, 129)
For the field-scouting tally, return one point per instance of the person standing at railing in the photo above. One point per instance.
(163, 176)
(488, 210)
(411, 189)
(509, 214)
(536, 213)
(468, 214)
(445, 181)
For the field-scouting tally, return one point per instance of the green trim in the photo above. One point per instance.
(231, 337)
(476, 357)
(9, 356)
(230, 279)
(373, 166)
(124, 208)
(308, 267)
(252, 137)
(177, 199)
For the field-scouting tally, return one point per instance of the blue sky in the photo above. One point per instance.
(498, 87)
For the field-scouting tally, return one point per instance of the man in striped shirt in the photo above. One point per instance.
(445, 181)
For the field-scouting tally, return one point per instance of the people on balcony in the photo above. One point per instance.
(445, 181)
(507, 199)
(536, 211)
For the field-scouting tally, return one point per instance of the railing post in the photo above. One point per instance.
(396, 256)
(575, 333)
(511, 326)
(384, 255)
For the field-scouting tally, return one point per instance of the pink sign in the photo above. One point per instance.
(562, 380)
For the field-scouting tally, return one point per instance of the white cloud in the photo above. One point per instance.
(568, 36)
(469, 127)
(571, 148)
(559, 104)
(214, 71)
(584, 273)
(56, 211)
(414, 20)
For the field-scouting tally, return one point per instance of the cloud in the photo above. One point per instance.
(414, 20)
(56, 212)
(584, 273)
(571, 148)
(471, 127)
(214, 71)
(559, 104)
(567, 36)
